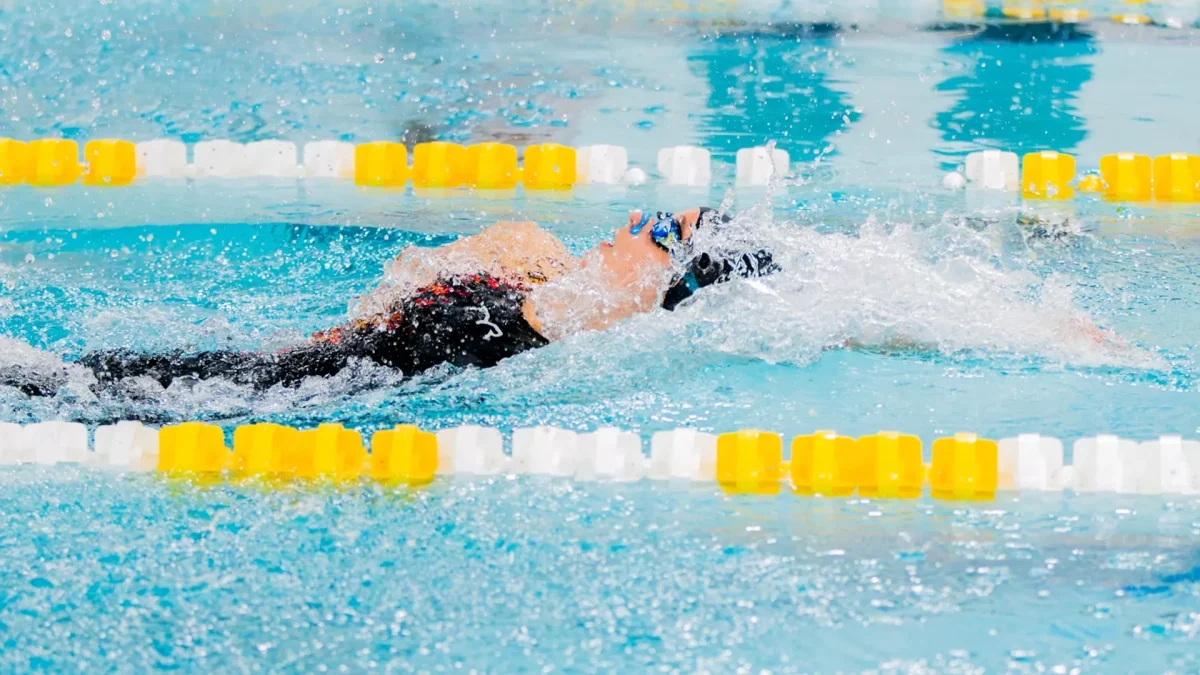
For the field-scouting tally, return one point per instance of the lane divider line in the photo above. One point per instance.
(500, 167)
(886, 465)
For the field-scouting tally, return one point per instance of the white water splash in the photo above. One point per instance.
(892, 287)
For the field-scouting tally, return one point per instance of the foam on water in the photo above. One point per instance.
(890, 286)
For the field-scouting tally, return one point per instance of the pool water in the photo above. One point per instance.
(512, 574)
(131, 573)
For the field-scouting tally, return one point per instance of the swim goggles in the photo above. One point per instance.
(665, 231)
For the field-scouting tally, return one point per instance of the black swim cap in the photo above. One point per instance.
(715, 267)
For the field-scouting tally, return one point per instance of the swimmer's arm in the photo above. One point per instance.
(1074, 328)
(514, 251)
(891, 346)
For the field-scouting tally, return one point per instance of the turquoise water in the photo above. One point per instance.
(127, 573)
(521, 575)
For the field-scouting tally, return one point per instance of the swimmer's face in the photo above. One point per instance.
(632, 260)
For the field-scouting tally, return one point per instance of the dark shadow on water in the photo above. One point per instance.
(1029, 32)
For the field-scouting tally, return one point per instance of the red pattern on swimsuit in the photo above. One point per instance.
(436, 293)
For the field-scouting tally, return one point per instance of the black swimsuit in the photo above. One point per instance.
(461, 321)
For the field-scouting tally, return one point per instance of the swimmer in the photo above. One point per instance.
(473, 302)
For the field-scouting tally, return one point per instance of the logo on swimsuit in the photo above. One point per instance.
(487, 321)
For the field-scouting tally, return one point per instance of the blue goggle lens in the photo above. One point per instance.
(665, 230)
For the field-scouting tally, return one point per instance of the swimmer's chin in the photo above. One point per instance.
(594, 258)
